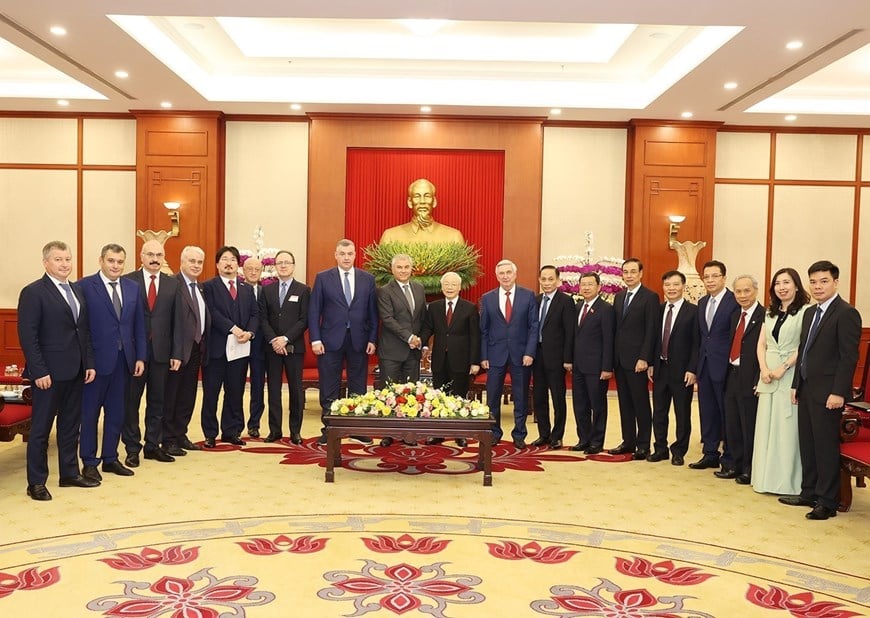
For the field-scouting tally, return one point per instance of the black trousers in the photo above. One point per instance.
(291, 367)
(635, 413)
(547, 383)
(153, 384)
(590, 407)
(180, 399)
(741, 409)
(669, 386)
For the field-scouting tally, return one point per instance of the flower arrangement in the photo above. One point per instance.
(431, 260)
(572, 267)
(265, 255)
(409, 400)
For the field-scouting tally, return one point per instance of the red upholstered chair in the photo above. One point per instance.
(15, 413)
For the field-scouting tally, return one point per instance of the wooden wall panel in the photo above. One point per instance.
(671, 172)
(521, 140)
(180, 158)
(10, 348)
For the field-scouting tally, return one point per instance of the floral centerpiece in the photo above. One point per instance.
(431, 260)
(572, 267)
(409, 400)
(266, 255)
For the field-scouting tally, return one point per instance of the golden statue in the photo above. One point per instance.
(422, 227)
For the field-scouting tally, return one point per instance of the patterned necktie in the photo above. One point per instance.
(347, 294)
(711, 311)
(507, 307)
(233, 293)
(283, 292)
(116, 300)
(583, 315)
(545, 303)
(738, 338)
(449, 312)
(152, 293)
(625, 304)
(198, 336)
(409, 297)
(71, 300)
(666, 335)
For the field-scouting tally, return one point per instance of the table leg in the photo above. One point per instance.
(330, 456)
(485, 440)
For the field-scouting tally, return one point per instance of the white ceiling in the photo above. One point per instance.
(595, 61)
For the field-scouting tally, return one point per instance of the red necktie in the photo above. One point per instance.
(449, 312)
(233, 292)
(507, 306)
(152, 293)
(583, 315)
(738, 338)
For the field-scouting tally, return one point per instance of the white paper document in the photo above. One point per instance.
(236, 350)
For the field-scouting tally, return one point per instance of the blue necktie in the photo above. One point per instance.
(545, 304)
(625, 304)
(71, 300)
(347, 295)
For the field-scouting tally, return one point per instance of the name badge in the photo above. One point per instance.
(294, 298)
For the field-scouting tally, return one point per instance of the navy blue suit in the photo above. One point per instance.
(345, 330)
(504, 344)
(713, 352)
(225, 314)
(118, 344)
(55, 345)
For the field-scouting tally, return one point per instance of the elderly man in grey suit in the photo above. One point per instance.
(402, 307)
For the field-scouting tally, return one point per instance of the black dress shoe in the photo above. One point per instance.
(91, 472)
(322, 439)
(433, 441)
(38, 492)
(160, 455)
(797, 501)
(132, 460)
(461, 442)
(541, 442)
(820, 512)
(174, 451)
(386, 441)
(640, 454)
(253, 433)
(743, 479)
(658, 456)
(364, 440)
(116, 467)
(725, 473)
(187, 445)
(233, 440)
(593, 450)
(519, 443)
(555, 445)
(622, 449)
(207, 443)
(295, 438)
(705, 463)
(78, 481)
(677, 460)
(273, 437)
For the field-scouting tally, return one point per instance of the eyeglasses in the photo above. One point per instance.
(282, 263)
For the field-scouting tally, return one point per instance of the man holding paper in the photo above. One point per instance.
(234, 320)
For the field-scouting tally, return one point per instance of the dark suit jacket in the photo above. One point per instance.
(683, 343)
(289, 320)
(557, 335)
(53, 343)
(225, 314)
(107, 331)
(636, 331)
(503, 343)
(329, 311)
(189, 311)
(160, 324)
(749, 368)
(457, 345)
(397, 321)
(715, 343)
(593, 339)
(833, 355)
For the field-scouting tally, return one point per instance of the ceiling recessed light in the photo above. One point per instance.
(121, 74)
(295, 106)
(791, 118)
(166, 104)
(57, 30)
(794, 44)
(687, 114)
(425, 109)
(730, 85)
(555, 111)
(63, 102)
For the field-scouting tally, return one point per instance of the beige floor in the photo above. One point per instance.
(636, 497)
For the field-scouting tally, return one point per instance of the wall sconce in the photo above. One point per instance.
(675, 225)
(162, 236)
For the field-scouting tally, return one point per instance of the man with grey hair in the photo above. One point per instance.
(508, 342)
(741, 400)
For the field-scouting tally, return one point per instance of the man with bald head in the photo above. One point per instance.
(160, 294)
